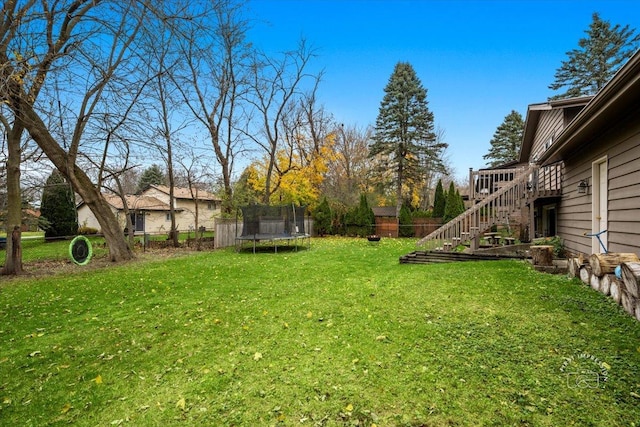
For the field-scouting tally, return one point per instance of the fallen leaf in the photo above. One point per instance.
(66, 408)
(257, 356)
(636, 395)
(309, 315)
(98, 379)
(349, 408)
(606, 366)
(181, 403)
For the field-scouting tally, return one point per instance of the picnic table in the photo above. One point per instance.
(492, 238)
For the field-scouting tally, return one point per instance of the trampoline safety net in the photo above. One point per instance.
(272, 221)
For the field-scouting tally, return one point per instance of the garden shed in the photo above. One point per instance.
(386, 221)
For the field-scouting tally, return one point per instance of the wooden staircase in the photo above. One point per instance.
(495, 208)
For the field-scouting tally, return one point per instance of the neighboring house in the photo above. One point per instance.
(209, 206)
(578, 173)
(150, 210)
(30, 219)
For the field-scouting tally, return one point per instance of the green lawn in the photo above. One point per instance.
(338, 335)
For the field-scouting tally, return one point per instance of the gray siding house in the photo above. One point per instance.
(578, 173)
(600, 150)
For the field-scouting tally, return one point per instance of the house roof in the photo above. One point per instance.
(384, 211)
(144, 203)
(185, 193)
(620, 94)
(534, 111)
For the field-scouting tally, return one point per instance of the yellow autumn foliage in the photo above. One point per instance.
(299, 178)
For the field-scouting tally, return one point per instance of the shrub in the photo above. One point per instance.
(86, 230)
(360, 221)
(58, 207)
(322, 218)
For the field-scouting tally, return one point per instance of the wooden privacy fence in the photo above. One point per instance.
(226, 231)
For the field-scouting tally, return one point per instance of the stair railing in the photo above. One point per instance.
(494, 209)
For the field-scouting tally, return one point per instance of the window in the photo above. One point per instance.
(168, 217)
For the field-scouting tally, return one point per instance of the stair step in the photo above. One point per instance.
(432, 257)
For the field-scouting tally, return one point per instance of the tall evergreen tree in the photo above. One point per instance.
(599, 55)
(452, 208)
(153, 175)
(322, 218)
(506, 141)
(58, 207)
(439, 201)
(361, 219)
(404, 134)
(405, 221)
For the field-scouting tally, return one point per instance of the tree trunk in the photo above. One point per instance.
(118, 248)
(615, 291)
(542, 254)
(585, 274)
(13, 255)
(628, 302)
(574, 266)
(602, 264)
(605, 284)
(14, 252)
(631, 277)
(594, 282)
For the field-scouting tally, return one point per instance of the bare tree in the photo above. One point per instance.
(275, 88)
(165, 124)
(346, 177)
(194, 172)
(77, 44)
(215, 82)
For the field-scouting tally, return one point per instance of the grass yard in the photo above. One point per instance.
(339, 335)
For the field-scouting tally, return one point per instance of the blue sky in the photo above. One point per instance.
(478, 60)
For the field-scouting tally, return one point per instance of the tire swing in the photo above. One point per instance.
(80, 250)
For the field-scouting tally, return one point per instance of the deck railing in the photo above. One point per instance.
(546, 181)
(484, 182)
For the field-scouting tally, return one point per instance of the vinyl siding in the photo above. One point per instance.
(621, 145)
(551, 124)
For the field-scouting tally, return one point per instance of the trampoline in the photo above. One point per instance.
(263, 223)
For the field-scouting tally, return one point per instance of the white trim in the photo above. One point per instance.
(599, 203)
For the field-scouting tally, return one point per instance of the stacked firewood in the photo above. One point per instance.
(599, 272)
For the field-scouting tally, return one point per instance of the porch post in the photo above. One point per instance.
(472, 190)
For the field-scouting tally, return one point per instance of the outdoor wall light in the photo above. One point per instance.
(583, 186)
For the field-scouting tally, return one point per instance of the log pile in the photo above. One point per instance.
(598, 272)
